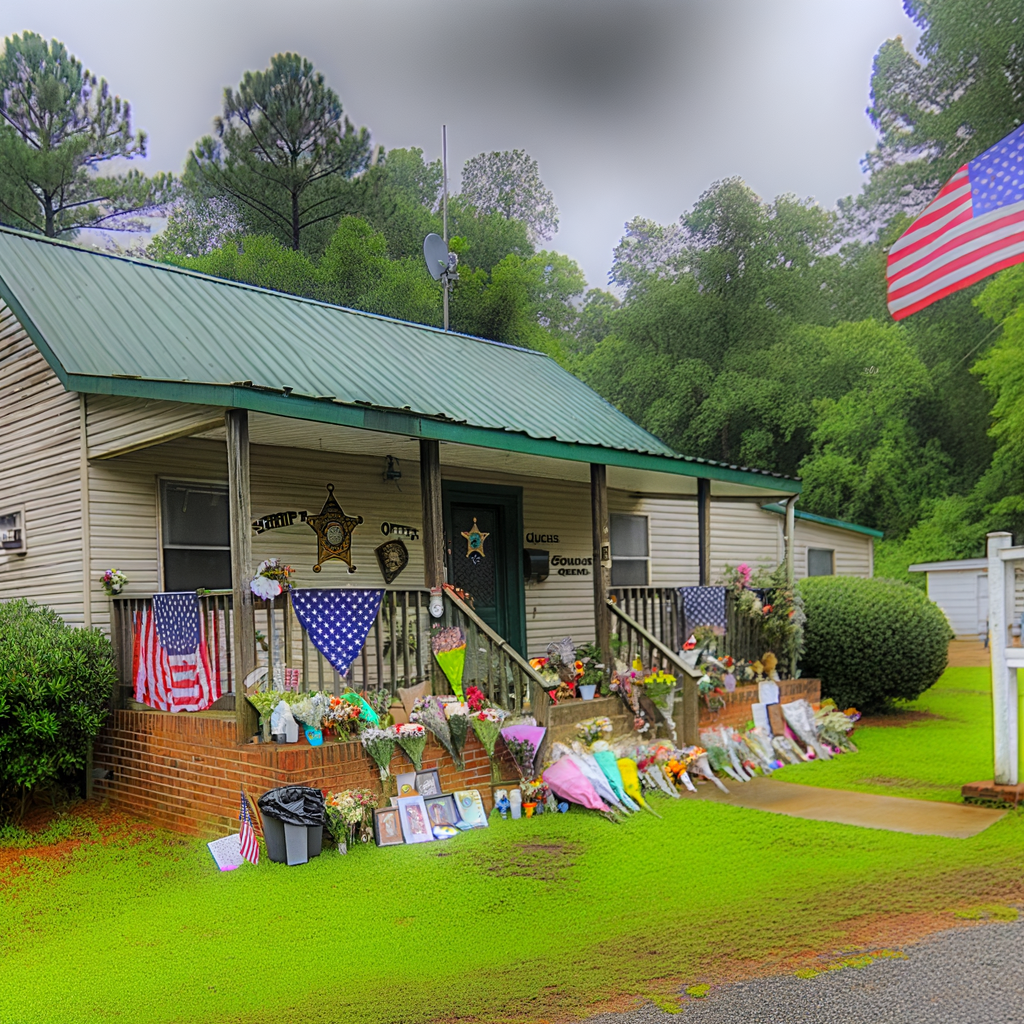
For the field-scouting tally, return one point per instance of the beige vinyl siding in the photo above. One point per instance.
(39, 469)
(852, 550)
(116, 424)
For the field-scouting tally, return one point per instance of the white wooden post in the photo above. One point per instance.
(1004, 676)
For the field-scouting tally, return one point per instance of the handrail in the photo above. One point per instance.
(666, 652)
(495, 638)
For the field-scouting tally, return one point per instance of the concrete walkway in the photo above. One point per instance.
(892, 813)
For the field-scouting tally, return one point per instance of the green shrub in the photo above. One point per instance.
(871, 641)
(55, 687)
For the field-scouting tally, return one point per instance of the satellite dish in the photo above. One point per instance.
(435, 252)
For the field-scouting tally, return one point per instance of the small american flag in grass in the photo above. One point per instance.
(246, 836)
(974, 227)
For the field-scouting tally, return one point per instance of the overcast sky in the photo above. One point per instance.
(631, 107)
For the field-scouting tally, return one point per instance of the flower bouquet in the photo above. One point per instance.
(270, 579)
(475, 698)
(342, 716)
(348, 816)
(523, 742)
(458, 726)
(449, 646)
(113, 581)
(487, 725)
(380, 745)
(412, 738)
(310, 711)
(429, 711)
(593, 729)
(380, 701)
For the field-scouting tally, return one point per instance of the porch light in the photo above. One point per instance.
(392, 472)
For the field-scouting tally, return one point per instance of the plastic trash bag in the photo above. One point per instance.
(294, 805)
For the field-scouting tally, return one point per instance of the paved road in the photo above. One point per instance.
(964, 976)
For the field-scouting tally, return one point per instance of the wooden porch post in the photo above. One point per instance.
(602, 560)
(433, 514)
(704, 530)
(790, 540)
(236, 424)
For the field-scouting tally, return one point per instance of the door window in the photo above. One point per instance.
(196, 536)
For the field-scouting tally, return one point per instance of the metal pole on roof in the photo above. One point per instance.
(444, 169)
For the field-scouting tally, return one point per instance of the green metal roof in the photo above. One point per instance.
(112, 325)
(838, 523)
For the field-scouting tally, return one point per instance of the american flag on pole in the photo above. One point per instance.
(171, 662)
(247, 844)
(972, 228)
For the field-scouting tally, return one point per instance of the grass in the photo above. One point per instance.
(927, 758)
(539, 919)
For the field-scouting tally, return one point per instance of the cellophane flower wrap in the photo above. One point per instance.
(412, 738)
(449, 646)
(429, 711)
(311, 709)
(458, 725)
(342, 715)
(380, 745)
(348, 813)
(487, 725)
(523, 752)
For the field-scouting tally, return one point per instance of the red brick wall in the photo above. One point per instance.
(185, 772)
(737, 704)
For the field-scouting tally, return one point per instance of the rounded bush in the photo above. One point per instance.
(55, 688)
(871, 641)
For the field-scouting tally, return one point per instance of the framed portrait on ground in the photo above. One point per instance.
(406, 784)
(442, 810)
(428, 783)
(416, 825)
(387, 826)
(471, 808)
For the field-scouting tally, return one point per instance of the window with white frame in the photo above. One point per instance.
(630, 551)
(821, 562)
(196, 537)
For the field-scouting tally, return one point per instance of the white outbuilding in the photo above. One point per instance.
(960, 589)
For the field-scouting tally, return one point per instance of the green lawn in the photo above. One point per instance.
(539, 919)
(929, 759)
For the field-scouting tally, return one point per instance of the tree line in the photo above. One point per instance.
(750, 332)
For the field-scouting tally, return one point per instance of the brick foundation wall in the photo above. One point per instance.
(738, 703)
(184, 772)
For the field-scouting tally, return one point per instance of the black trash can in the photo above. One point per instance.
(293, 823)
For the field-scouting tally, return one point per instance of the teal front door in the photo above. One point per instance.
(483, 527)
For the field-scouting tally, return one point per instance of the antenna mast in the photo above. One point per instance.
(444, 169)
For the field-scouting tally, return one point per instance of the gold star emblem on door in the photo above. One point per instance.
(475, 542)
(333, 532)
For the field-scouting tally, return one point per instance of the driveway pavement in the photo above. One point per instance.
(971, 975)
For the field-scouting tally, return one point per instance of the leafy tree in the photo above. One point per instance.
(509, 184)
(283, 153)
(58, 124)
(960, 93)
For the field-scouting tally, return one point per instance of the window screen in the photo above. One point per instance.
(196, 537)
(630, 551)
(820, 562)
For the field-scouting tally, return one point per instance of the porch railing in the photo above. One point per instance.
(658, 609)
(397, 652)
(636, 641)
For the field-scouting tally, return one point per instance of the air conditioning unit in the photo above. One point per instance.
(12, 532)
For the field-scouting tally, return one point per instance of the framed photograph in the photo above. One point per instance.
(471, 808)
(406, 783)
(442, 810)
(428, 783)
(387, 827)
(416, 825)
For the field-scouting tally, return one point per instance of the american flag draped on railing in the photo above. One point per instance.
(972, 228)
(170, 661)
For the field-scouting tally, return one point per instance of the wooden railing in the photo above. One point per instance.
(744, 638)
(658, 609)
(633, 640)
(503, 674)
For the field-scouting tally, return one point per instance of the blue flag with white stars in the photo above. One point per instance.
(337, 621)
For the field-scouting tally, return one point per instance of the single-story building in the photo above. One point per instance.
(182, 429)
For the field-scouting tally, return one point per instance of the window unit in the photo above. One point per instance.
(630, 551)
(821, 562)
(195, 536)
